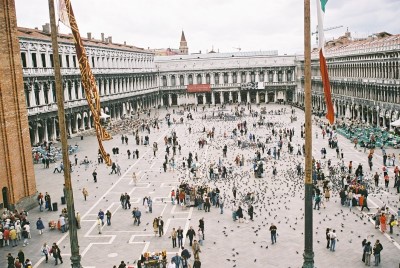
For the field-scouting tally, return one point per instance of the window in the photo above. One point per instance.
(225, 78)
(74, 60)
(93, 66)
(51, 61)
(234, 78)
(67, 60)
(173, 82)
(181, 80)
(23, 60)
(34, 63)
(190, 79)
(60, 59)
(198, 80)
(164, 81)
(207, 79)
(43, 56)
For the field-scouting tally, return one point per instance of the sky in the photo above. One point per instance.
(225, 25)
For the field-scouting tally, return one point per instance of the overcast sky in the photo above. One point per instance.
(222, 24)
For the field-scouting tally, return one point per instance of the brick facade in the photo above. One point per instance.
(17, 177)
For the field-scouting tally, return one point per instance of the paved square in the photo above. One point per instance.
(278, 199)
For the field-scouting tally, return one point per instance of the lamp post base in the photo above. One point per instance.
(308, 260)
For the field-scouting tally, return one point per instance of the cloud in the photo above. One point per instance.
(224, 24)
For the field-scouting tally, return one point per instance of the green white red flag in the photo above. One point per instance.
(330, 115)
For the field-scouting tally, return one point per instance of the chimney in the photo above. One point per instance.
(46, 28)
(89, 36)
(110, 39)
(102, 37)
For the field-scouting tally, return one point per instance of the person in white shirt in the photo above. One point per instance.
(333, 237)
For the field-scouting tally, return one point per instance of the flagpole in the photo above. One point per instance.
(308, 255)
(73, 235)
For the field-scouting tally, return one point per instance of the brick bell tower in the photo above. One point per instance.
(17, 177)
(183, 48)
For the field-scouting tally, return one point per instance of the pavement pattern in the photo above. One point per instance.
(278, 199)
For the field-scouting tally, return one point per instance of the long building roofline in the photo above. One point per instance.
(36, 34)
(270, 53)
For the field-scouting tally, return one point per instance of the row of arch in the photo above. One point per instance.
(355, 110)
(78, 119)
(43, 92)
(176, 79)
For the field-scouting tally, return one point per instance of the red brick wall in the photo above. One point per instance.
(16, 167)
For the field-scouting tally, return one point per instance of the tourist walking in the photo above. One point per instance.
(85, 193)
(273, 229)
(55, 250)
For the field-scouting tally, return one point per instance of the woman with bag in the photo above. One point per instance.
(45, 251)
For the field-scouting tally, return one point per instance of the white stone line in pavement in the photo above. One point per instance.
(391, 209)
(101, 198)
(126, 172)
(187, 225)
(97, 202)
(43, 258)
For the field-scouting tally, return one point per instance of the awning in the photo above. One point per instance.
(199, 88)
(395, 123)
(104, 116)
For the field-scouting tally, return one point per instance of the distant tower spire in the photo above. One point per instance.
(183, 48)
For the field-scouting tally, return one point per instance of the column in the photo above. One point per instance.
(230, 78)
(203, 78)
(212, 78)
(221, 78)
(31, 91)
(275, 79)
(239, 78)
(239, 97)
(41, 93)
(284, 78)
(45, 134)
(162, 101)
(377, 119)
(186, 79)
(50, 92)
(54, 130)
(257, 98)
(36, 133)
(169, 100)
(230, 96)
(204, 98)
(248, 96)
(66, 97)
(212, 98)
(221, 94)
(76, 127)
(168, 80)
(89, 120)
(257, 78)
(248, 78)
(195, 99)
(384, 118)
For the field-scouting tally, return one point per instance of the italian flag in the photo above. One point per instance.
(321, 4)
